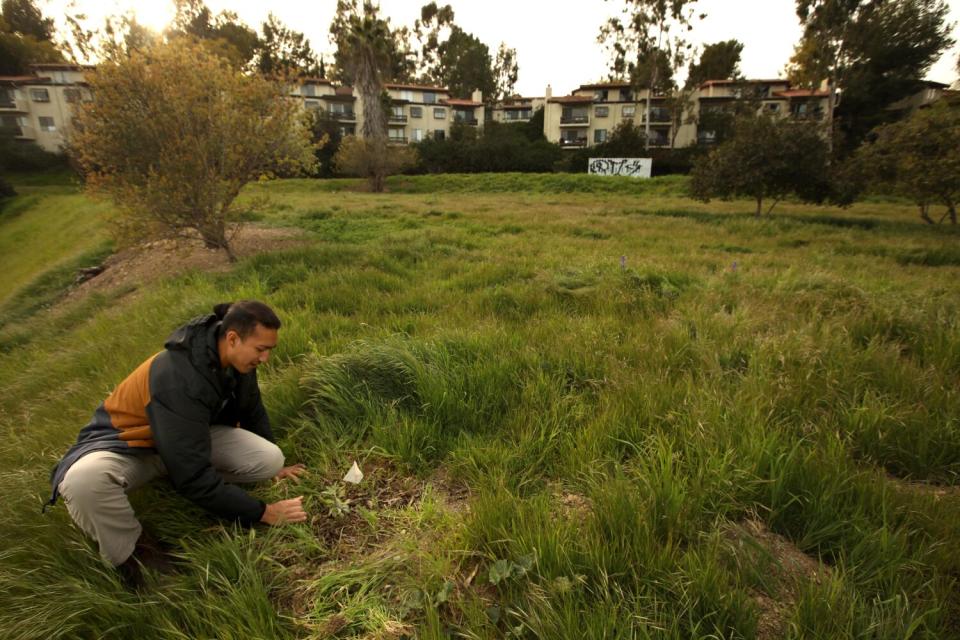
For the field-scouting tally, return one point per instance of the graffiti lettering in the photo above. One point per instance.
(634, 167)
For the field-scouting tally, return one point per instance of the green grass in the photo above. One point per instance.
(557, 443)
(46, 227)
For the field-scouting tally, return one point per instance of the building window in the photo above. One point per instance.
(309, 90)
(601, 95)
(578, 115)
(429, 98)
(440, 114)
(573, 137)
(341, 110)
(517, 114)
(312, 104)
(599, 136)
(629, 111)
(396, 135)
(396, 112)
(601, 112)
(8, 98)
(416, 135)
(11, 124)
(406, 94)
(47, 124)
(346, 131)
(771, 107)
(416, 112)
(71, 95)
(439, 134)
(39, 95)
(626, 95)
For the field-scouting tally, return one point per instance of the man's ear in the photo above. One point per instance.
(233, 338)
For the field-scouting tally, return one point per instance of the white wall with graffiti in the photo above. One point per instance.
(633, 167)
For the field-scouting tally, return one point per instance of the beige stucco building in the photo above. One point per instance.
(516, 109)
(38, 107)
(588, 116)
(416, 111)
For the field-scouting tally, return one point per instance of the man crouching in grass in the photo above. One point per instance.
(192, 412)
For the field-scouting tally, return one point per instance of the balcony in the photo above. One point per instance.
(463, 120)
(807, 114)
(341, 115)
(579, 119)
(8, 104)
(397, 118)
(573, 143)
(24, 132)
(398, 139)
(657, 116)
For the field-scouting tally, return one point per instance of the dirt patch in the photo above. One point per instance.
(374, 516)
(784, 567)
(936, 491)
(132, 268)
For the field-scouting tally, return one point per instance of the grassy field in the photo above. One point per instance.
(585, 409)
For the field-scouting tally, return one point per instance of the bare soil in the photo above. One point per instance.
(136, 266)
(786, 566)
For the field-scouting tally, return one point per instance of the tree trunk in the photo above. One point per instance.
(217, 239)
(759, 208)
(924, 215)
(952, 209)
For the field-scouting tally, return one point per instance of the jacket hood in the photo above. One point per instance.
(199, 339)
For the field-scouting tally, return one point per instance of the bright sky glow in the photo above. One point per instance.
(555, 41)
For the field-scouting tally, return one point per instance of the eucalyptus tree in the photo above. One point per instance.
(648, 44)
(871, 53)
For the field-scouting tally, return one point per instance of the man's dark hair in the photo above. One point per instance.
(243, 317)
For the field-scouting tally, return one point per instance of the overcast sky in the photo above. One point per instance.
(555, 41)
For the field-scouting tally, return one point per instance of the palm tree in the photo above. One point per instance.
(364, 49)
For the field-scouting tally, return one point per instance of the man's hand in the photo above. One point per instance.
(284, 511)
(293, 473)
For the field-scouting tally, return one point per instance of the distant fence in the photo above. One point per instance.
(634, 167)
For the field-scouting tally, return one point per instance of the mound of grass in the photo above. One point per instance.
(555, 443)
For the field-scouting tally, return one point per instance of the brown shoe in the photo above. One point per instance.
(131, 574)
(147, 553)
(151, 554)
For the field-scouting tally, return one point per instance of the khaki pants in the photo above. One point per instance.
(96, 486)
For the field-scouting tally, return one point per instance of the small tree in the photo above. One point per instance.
(366, 158)
(173, 135)
(919, 158)
(765, 159)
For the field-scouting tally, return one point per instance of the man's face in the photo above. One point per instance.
(245, 354)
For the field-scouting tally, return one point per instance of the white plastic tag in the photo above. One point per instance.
(354, 476)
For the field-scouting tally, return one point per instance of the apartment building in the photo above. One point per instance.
(516, 109)
(588, 116)
(421, 111)
(37, 107)
(772, 97)
(416, 111)
(337, 103)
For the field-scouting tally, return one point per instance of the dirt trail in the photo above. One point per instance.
(143, 264)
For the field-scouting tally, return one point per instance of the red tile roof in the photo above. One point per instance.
(572, 99)
(62, 66)
(309, 80)
(458, 102)
(802, 93)
(710, 83)
(418, 87)
(24, 79)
